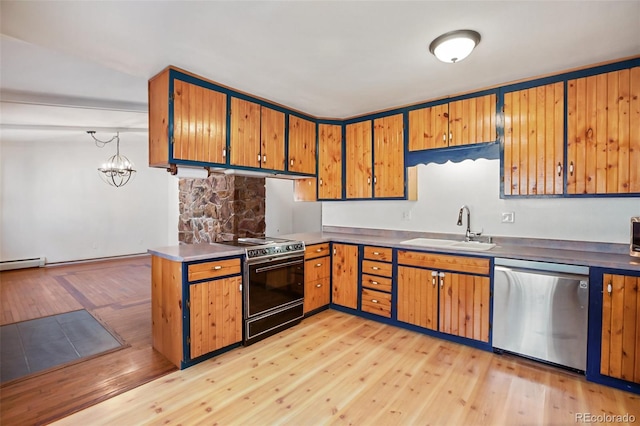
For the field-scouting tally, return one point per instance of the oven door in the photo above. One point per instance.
(273, 284)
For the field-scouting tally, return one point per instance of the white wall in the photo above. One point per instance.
(444, 188)
(54, 204)
(285, 216)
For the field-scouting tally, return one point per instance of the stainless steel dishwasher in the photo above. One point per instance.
(540, 311)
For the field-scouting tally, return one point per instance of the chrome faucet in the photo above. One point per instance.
(467, 234)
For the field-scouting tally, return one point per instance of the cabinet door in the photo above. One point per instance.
(533, 141)
(272, 139)
(199, 123)
(603, 133)
(359, 159)
(330, 162)
(216, 315)
(245, 133)
(428, 127)
(464, 306)
(302, 145)
(388, 146)
(472, 120)
(344, 275)
(418, 297)
(620, 354)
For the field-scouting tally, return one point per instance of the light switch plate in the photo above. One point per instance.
(508, 217)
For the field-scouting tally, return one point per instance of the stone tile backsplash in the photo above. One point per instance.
(221, 207)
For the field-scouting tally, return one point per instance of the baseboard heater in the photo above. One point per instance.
(7, 265)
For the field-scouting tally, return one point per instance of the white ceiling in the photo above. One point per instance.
(326, 58)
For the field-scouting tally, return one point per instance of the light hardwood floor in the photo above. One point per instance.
(336, 368)
(118, 294)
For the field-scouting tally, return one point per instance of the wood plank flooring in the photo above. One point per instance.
(336, 368)
(118, 294)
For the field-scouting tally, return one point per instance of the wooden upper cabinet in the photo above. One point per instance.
(199, 122)
(245, 133)
(472, 120)
(305, 189)
(344, 275)
(429, 128)
(388, 146)
(329, 161)
(272, 139)
(620, 350)
(302, 145)
(534, 140)
(359, 159)
(257, 136)
(464, 122)
(603, 133)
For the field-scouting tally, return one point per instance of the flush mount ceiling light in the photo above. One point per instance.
(117, 170)
(454, 46)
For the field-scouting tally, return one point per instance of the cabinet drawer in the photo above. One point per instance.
(316, 294)
(214, 269)
(316, 250)
(376, 302)
(377, 268)
(376, 283)
(378, 253)
(473, 265)
(316, 269)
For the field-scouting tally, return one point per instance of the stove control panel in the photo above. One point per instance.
(275, 249)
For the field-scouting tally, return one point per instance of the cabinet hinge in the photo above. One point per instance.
(189, 339)
(188, 304)
(172, 97)
(173, 140)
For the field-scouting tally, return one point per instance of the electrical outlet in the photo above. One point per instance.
(406, 215)
(508, 217)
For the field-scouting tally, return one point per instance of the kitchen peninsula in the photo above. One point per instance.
(379, 250)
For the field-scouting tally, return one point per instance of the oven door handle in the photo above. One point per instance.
(278, 266)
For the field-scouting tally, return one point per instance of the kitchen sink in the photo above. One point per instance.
(449, 244)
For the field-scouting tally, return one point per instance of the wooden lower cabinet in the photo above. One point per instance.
(215, 315)
(192, 319)
(620, 353)
(377, 281)
(317, 277)
(418, 297)
(455, 303)
(344, 276)
(376, 302)
(464, 306)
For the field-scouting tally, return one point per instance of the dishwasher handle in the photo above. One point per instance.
(581, 277)
(547, 267)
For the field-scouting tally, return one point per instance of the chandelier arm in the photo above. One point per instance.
(100, 143)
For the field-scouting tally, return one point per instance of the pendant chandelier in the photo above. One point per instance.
(117, 170)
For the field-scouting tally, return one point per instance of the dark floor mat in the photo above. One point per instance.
(35, 345)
